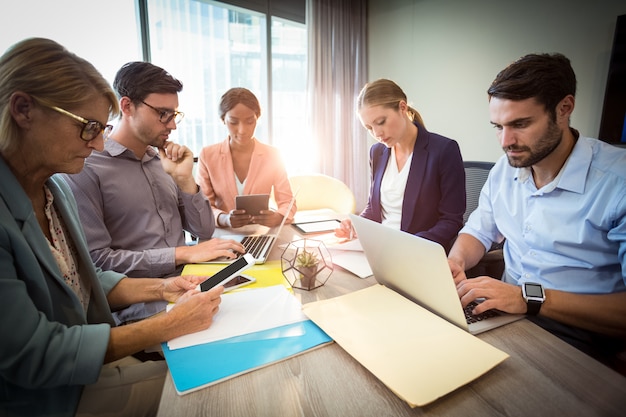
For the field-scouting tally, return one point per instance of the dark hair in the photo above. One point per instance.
(386, 93)
(546, 77)
(236, 96)
(136, 80)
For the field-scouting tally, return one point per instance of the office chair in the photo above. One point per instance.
(476, 173)
(319, 191)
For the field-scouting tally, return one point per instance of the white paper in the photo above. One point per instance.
(349, 255)
(246, 312)
(353, 261)
(345, 245)
(334, 243)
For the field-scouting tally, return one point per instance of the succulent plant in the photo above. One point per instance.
(306, 259)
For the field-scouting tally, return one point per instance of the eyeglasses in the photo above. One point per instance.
(91, 128)
(166, 116)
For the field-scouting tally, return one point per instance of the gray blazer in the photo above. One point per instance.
(49, 347)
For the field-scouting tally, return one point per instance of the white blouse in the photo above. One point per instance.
(239, 185)
(392, 190)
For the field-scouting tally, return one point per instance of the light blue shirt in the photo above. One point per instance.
(569, 235)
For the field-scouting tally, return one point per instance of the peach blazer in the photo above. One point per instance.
(216, 177)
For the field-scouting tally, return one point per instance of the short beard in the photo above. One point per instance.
(157, 142)
(545, 146)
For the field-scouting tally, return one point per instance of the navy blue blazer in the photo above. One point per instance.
(434, 198)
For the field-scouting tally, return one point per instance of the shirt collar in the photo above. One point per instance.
(115, 148)
(576, 167)
(573, 175)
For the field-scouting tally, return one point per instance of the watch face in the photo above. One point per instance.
(533, 290)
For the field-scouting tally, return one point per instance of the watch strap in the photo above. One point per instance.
(533, 307)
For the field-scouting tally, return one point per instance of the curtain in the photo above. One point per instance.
(337, 70)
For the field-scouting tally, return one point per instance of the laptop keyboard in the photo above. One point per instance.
(473, 318)
(255, 244)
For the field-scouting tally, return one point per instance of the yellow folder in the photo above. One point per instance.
(414, 352)
(267, 274)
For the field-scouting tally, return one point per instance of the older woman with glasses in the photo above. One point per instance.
(61, 354)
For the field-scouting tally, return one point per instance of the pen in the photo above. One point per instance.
(351, 233)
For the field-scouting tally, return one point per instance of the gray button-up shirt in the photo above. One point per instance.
(134, 214)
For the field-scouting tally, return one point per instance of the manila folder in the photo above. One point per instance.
(417, 354)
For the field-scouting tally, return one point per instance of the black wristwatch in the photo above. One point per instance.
(534, 296)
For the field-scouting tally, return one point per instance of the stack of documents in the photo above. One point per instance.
(253, 328)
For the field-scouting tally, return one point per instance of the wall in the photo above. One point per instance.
(445, 53)
(103, 32)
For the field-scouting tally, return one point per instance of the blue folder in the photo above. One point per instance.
(203, 365)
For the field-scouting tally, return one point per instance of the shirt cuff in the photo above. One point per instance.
(162, 262)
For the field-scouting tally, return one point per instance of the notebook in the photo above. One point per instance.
(259, 245)
(418, 269)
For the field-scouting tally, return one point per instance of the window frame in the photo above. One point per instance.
(290, 11)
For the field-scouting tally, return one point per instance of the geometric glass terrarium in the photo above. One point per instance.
(306, 263)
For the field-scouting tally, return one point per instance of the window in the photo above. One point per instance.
(289, 81)
(211, 47)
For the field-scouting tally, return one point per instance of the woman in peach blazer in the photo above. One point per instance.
(241, 165)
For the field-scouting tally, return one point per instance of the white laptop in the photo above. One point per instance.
(418, 269)
(258, 245)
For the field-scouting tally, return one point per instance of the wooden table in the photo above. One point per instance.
(543, 377)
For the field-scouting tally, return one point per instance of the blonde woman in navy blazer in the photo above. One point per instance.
(433, 200)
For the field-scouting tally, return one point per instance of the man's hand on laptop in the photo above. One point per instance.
(496, 294)
(208, 251)
(458, 272)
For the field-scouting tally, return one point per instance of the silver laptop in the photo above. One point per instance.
(258, 245)
(418, 269)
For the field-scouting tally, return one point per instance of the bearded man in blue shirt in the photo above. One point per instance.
(558, 201)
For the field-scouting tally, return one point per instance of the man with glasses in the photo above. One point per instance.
(137, 196)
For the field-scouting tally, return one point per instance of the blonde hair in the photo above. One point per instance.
(52, 75)
(386, 93)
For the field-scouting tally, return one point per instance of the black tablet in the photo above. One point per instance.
(319, 226)
(252, 203)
